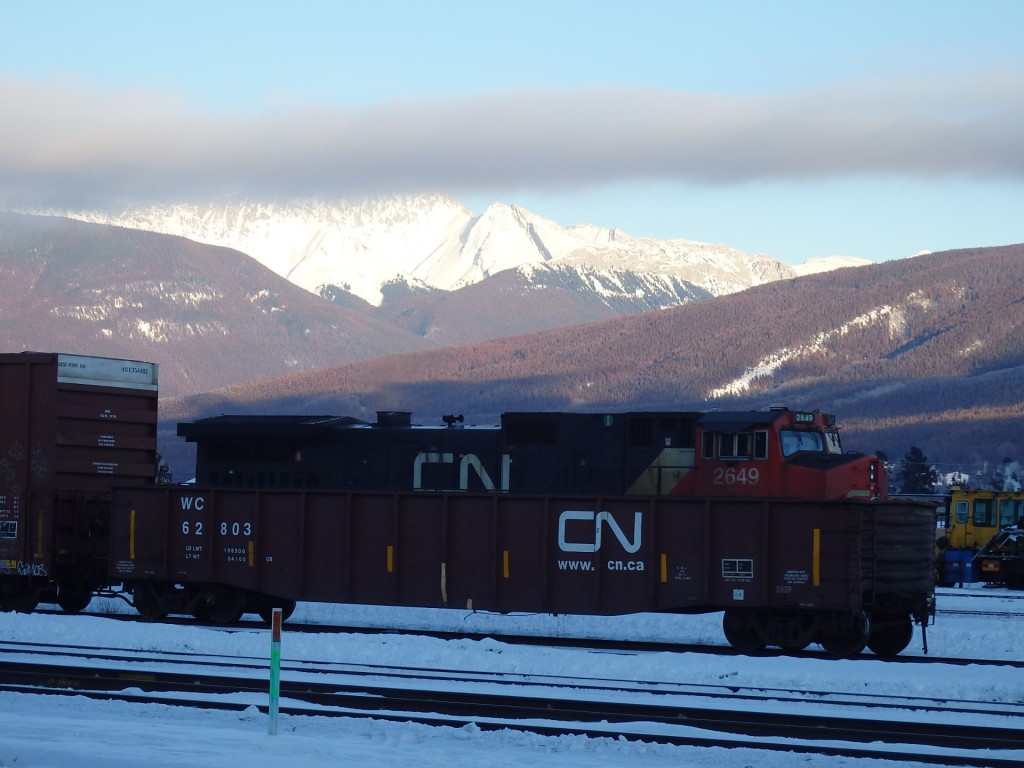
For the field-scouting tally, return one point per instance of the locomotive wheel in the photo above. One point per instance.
(741, 633)
(848, 641)
(890, 634)
(225, 605)
(267, 610)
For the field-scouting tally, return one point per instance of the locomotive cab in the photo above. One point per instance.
(973, 522)
(782, 453)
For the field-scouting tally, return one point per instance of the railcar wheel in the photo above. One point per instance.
(792, 631)
(267, 610)
(201, 612)
(149, 605)
(72, 601)
(225, 605)
(890, 634)
(20, 600)
(848, 641)
(741, 633)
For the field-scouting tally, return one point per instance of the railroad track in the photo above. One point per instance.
(581, 643)
(673, 714)
(994, 593)
(733, 694)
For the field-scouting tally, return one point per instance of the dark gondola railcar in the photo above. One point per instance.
(786, 572)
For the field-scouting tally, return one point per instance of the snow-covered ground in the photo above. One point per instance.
(58, 732)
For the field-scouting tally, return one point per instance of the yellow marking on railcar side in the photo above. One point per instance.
(504, 564)
(816, 558)
(252, 553)
(131, 534)
(664, 567)
(391, 558)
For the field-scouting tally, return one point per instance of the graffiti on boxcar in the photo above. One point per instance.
(21, 568)
(39, 464)
(8, 468)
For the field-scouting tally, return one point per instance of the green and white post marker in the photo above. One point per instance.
(275, 670)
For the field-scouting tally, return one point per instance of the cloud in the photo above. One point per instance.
(66, 144)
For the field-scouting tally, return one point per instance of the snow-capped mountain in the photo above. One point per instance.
(814, 266)
(382, 249)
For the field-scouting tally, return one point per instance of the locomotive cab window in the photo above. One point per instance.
(985, 512)
(1011, 512)
(800, 440)
(736, 445)
(961, 511)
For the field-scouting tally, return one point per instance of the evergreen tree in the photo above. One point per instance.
(917, 475)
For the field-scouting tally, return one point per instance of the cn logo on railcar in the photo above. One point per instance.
(594, 524)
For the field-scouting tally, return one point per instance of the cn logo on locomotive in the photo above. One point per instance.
(592, 542)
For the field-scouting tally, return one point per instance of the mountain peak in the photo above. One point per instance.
(435, 242)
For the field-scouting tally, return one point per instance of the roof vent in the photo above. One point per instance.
(394, 419)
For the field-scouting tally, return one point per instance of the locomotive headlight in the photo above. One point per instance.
(873, 471)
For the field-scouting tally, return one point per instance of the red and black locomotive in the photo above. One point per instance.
(775, 453)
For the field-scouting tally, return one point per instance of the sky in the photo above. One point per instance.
(797, 129)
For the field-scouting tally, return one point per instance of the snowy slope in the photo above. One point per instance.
(436, 243)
